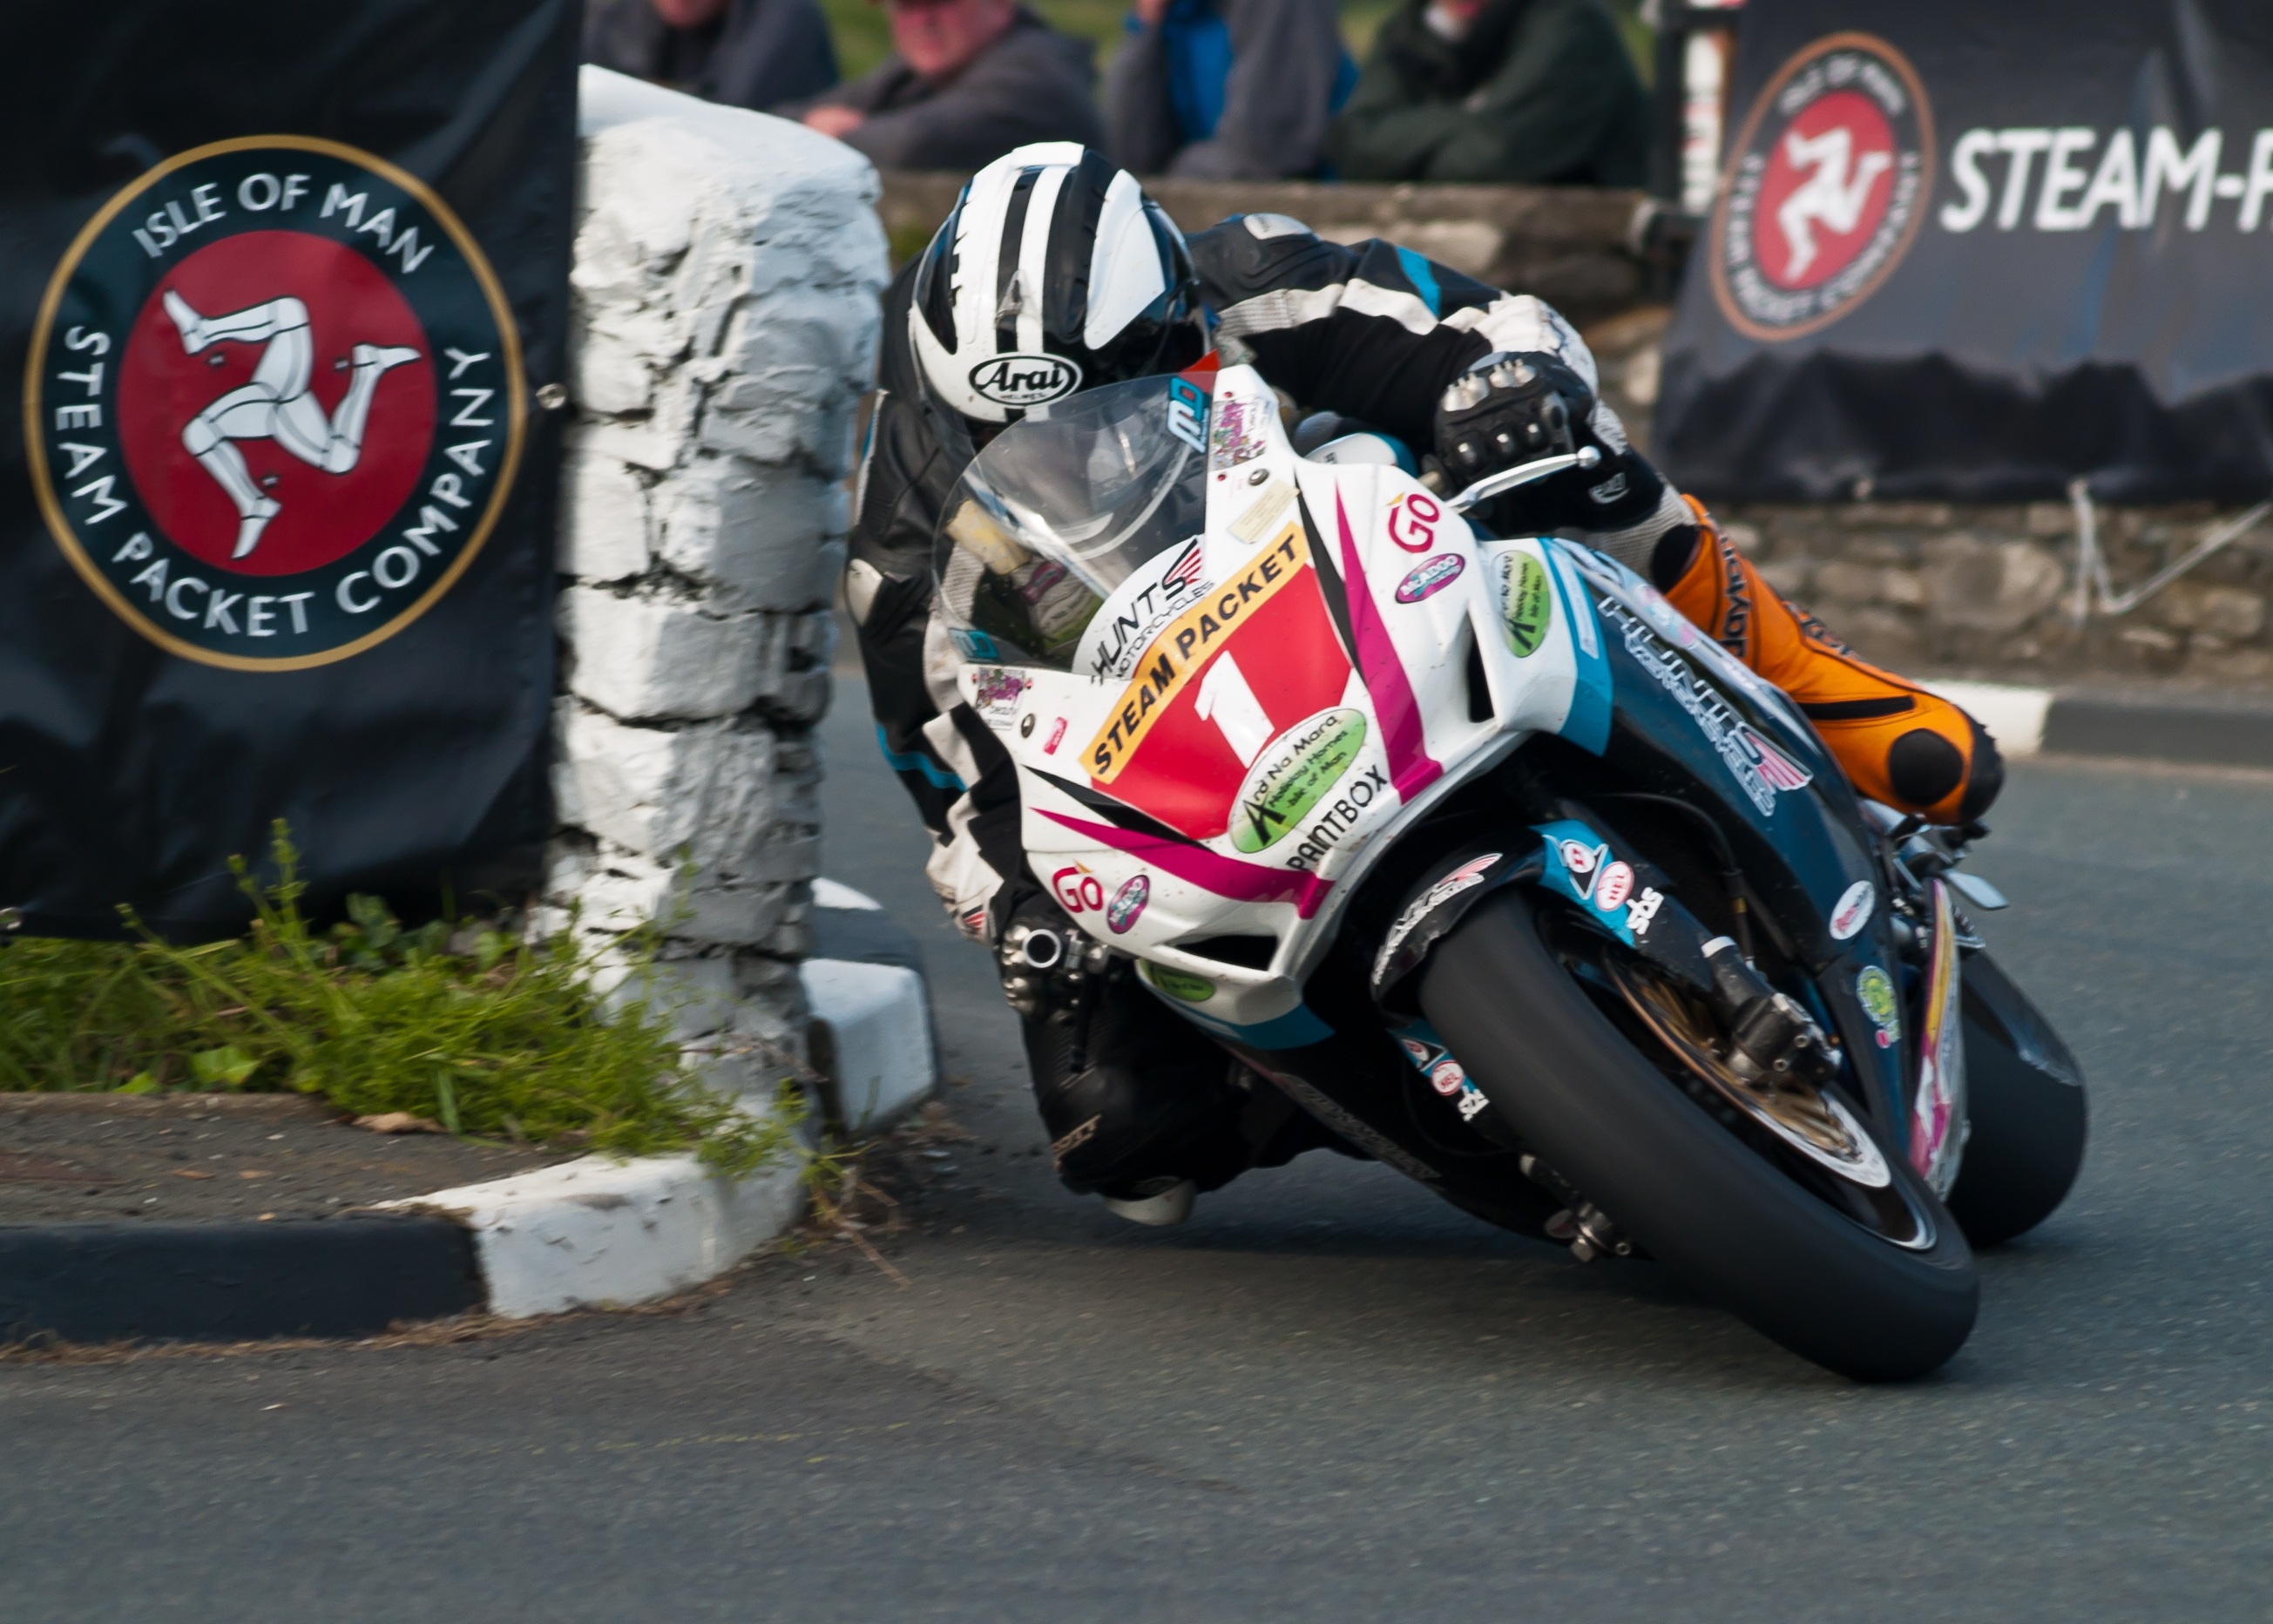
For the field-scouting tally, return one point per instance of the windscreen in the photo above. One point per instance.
(1061, 507)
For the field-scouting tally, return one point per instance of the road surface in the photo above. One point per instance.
(1328, 1397)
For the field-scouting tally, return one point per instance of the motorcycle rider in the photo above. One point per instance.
(1051, 252)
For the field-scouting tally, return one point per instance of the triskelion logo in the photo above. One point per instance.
(274, 402)
(1827, 187)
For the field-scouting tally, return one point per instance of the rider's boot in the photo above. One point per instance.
(1140, 1107)
(1898, 744)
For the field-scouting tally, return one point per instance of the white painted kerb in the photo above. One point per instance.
(597, 1232)
(2013, 716)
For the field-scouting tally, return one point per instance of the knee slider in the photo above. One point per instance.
(1924, 768)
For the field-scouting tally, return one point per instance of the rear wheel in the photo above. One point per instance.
(1861, 1270)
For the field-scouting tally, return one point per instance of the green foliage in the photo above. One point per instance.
(490, 1037)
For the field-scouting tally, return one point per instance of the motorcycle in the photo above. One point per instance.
(1498, 867)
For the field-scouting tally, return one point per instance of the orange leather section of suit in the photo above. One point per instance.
(1898, 744)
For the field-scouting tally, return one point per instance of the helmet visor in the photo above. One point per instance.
(1062, 506)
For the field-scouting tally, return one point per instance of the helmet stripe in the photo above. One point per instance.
(1008, 257)
(1033, 260)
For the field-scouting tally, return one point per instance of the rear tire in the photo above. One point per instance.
(1719, 1214)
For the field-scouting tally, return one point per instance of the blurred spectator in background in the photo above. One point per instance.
(1497, 90)
(1226, 89)
(967, 81)
(744, 53)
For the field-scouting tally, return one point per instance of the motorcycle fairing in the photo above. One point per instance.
(1691, 721)
(1279, 739)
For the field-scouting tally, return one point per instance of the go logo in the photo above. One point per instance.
(1412, 522)
(1078, 890)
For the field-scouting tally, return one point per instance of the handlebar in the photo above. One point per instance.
(1523, 473)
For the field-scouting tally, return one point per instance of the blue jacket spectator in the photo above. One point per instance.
(1226, 89)
(744, 53)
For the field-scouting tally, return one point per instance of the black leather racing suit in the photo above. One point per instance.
(1372, 332)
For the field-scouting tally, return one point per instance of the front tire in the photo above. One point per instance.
(1708, 1205)
(2026, 1105)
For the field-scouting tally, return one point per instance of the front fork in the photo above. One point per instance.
(1772, 1037)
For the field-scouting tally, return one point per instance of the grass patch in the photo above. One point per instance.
(488, 1035)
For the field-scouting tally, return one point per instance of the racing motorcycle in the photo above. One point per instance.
(1499, 867)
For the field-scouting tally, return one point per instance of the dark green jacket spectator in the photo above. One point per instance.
(1534, 90)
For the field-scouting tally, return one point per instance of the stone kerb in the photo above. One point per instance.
(727, 269)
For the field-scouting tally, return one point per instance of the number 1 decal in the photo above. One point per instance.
(1225, 700)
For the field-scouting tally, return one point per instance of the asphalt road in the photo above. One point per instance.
(1327, 1397)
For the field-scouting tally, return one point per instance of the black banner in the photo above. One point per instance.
(1971, 252)
(282, 284)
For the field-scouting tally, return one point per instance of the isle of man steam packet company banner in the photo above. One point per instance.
(282, 284)
(1973, 252)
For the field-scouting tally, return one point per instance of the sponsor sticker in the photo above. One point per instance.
(1581, 861)
(1025, 379)
(1614, 887)
(1828, 183)
(1236, 434)
(1336, 818)
(1262, 516)
(1643, 909)
(274, 400)
(1854, 910)
(1057, 737)
(994, 691)
(1760, 770)
(1467, 877)
(1160, 590)
(1293, 774)
(1175, 657)
(1188, 413)
(1413, 520)
(1078, 890)
(1430, 576)
(1128, 904)
(1526, 603)
(1874, 989)
(1176, 984)
(1445, 1075)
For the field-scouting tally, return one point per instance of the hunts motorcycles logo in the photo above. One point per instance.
(1760, 770)
(1025, 379)
(274, 402)
(1828, 186)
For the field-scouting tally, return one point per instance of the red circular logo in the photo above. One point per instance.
(276, 402)
(1824, 193)
(1825, 189)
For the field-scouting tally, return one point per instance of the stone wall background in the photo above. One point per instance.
(1986, 590)
(726, 275)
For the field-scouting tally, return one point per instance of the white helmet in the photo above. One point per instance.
(1054, 273)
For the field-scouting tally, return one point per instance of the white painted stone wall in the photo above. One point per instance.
(727, 271)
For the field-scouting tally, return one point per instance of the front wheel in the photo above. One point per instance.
(2028, 1114)
(1732, 1218)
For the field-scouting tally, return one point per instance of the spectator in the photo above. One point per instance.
(744, 53)
(1497, 90)
(967, 80)
(1226, 89)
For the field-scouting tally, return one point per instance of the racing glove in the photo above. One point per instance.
(1514, 407)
